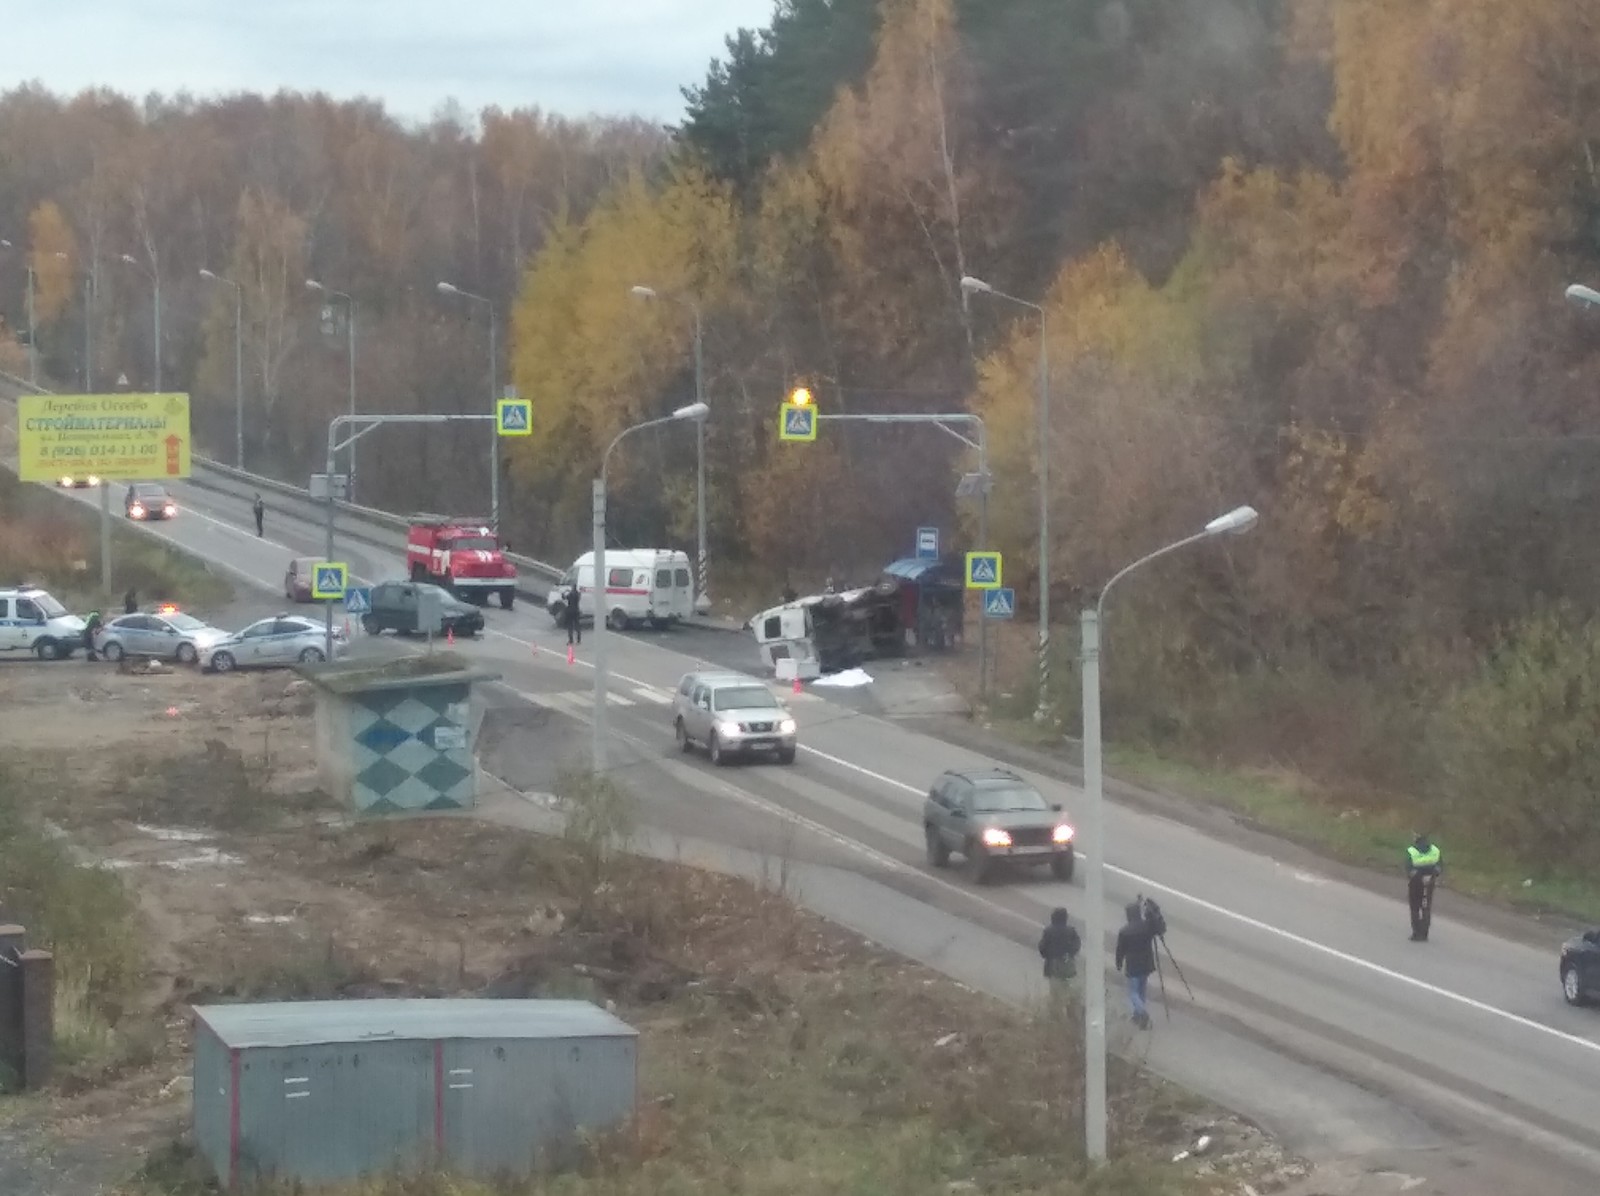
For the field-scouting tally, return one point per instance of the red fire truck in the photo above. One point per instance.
(463, 556)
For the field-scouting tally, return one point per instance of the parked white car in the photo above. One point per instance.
(32, 621)
(273, 643)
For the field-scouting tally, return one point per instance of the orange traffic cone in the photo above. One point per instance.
(450, 636)
(571, 657)
(797, 688)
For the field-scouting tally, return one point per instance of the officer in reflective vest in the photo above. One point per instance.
(1422, 873)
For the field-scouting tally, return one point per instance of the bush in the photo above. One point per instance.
(1519, 744)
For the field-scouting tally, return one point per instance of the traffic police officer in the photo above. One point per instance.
(1422, 874)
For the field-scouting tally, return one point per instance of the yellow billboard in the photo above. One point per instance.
(125, 437)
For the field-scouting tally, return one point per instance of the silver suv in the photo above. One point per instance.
(731, 716)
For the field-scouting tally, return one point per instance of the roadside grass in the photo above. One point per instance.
(51, 541)
(1286, 805)
(87, 918)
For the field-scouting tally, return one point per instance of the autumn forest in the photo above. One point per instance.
(1305, 254)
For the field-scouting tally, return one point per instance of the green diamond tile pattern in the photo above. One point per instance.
(443, 774)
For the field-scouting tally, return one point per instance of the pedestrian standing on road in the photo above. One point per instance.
(259, 510)
(1058, 947)
(130, 602)
(1136, 955)
(572, 617)
(90, 626)
(1423, 866)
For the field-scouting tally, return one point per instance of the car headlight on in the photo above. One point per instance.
(993, 836)
(728, 729)
(66, 480)
(136, 511)
(169, 510)
(94, 479)
(1062, 834)
(786, 727)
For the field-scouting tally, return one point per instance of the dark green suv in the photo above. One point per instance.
(399, 606)
(992, 816)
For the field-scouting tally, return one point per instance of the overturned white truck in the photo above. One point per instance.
(828, 633)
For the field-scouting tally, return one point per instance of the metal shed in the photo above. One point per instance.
(324, 1091)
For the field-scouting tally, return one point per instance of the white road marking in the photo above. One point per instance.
(1146, 882)
(659, 697)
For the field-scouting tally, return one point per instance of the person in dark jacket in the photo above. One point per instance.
(259, 510)
(130, 603)
(1058, 947)
(571, 616)
(1136, 954)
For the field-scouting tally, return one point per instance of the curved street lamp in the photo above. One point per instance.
(696, 412)
(1235, 522)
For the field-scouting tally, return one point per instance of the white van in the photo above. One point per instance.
(643, 585)
(32, 621)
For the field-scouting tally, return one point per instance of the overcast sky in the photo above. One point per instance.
(570, 56)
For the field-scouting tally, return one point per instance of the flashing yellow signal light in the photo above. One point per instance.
(800, 396)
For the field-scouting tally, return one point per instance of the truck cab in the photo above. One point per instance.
(462, 555)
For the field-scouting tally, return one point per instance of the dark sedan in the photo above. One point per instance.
(147, 500)
(992, 816)
(1580, 968)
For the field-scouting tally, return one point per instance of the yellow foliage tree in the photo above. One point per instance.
(53, 254)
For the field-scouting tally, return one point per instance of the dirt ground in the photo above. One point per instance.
(199, 793)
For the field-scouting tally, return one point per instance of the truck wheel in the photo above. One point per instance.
(507, 598)
(47, 649)
(618, 620)
(370, 624)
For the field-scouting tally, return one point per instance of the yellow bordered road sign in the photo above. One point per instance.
(797, 421)
(329, 579)
(983, 571)
(514, 417)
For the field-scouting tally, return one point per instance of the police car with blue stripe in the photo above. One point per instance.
(32, 621)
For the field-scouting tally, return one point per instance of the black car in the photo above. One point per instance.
(1580, 968)
(398, 605)
(992, 816)
(148, 500)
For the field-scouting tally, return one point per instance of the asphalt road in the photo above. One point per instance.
(1454, 1062)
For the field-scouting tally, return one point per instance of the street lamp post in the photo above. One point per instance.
(350, 326)
(238, 364)
(446, 288)
(696, 412)
(976, 286)
(1236, 521)
(702, 600)
(155, 279)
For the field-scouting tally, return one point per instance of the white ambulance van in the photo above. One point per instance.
(643, 586)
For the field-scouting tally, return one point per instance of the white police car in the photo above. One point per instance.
(32, 621)
(278, 642)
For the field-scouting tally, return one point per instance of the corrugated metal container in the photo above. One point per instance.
(322, 1091)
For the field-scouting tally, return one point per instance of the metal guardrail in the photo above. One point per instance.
(366, 525)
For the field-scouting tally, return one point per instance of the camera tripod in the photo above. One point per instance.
(1161, 978)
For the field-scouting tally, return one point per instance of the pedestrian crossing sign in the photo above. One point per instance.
(358, 600)
(983, 570)
(999, 604)
(328, 579)
(514, 417)
(797, 421)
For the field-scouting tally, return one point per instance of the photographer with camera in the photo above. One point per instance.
(1136, 954)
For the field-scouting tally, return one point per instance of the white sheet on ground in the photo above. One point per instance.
(849, 679)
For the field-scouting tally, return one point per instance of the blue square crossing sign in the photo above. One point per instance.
(983, 570)
(927, 544)
(797, 421)
(358, 600)
(514, 417)
(328, 579)
(999, 604)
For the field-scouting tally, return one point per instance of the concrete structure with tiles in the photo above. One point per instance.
(400, 736)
